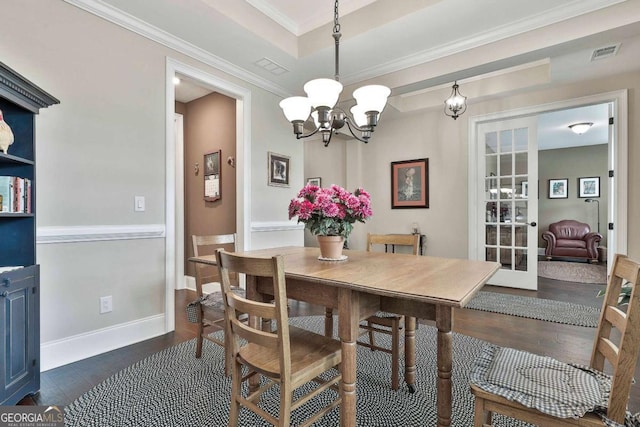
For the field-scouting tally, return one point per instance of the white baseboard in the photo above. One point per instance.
(190, 282)
(71, 349)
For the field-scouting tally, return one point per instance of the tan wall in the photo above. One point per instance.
(210, 125)
(572, 163)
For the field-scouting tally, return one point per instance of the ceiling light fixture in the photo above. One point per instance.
(580, 128)
(456, 104)
(176, 80)
(322, 96)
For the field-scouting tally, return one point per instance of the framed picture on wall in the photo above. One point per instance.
(589, 187)
(278, 170)
(212, 188)
(410, 184)
(559, 188)
(315, 181)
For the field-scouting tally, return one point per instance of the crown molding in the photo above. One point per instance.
(129, 22)
(551, 17)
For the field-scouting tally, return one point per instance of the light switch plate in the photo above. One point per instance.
(139, 204)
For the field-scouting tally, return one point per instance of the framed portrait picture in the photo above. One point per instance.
(559, 188)
(278, 170)
(410, 184)
(315, 181)
(589, 187)
(212, 188)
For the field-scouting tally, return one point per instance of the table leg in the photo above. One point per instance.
(445, 356)
(349, 316)
(410, 352)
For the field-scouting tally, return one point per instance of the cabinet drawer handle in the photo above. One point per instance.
(6, 282)
(4, 294)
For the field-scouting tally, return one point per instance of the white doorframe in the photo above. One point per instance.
(174, 227)
(179, 162)
(617, 161)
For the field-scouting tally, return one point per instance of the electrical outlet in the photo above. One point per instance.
(106, 304)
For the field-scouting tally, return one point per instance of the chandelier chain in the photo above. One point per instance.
(336, 37)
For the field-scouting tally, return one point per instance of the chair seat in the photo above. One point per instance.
(212, 302)
(311, 351)
(571, 243)
(552, 387)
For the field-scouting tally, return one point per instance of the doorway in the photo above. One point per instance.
(616, 162)
(174, 217)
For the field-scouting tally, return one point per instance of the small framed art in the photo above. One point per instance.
(278, 170)
(559, 188)
(589, 187)
(410, 184)
(212, 188)
(315, 181)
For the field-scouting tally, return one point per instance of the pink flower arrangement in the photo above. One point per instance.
(330, 211)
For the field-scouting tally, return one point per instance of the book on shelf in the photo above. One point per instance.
(15, 194)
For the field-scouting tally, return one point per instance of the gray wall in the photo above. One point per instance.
(572, 163)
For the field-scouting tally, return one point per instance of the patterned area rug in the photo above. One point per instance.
(536, 308)
(173, 388)
(580, 272)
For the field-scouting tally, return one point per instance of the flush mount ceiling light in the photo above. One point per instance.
(580, 128)
(322, 96)
(456, 104)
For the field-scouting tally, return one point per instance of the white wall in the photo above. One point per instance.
(104, 144)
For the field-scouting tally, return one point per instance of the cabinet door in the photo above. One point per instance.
(19, 328)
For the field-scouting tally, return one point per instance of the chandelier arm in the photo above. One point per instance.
(349, 125)
(300, 136)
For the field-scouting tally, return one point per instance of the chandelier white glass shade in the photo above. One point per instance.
(580, 128)
(456, 104)
(321, 99)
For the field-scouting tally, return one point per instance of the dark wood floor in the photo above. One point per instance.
(63, 385)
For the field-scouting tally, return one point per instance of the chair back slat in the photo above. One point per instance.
(623, 356)
(277, 310)
(207, 245)
(409, 240)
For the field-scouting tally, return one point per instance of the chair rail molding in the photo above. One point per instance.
(266, 226)
(94, 233)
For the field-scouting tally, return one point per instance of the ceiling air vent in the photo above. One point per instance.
(271, 66)
(605, 52)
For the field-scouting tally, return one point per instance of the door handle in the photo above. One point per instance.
(533, 223)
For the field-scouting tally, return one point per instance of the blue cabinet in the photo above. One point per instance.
(20, 101)
(20, 332)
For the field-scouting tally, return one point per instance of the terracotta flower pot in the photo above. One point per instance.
(330, 246)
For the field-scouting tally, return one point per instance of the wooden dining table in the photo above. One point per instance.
(423, 287)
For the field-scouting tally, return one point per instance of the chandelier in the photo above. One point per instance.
(456, 104)
(322, 96)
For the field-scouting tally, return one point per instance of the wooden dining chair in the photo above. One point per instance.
(211, 306)
(500, 387)
(387, 323)
(282, 354)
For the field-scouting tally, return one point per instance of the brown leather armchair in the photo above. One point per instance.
(568, 238)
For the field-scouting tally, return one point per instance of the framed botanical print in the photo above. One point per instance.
(278, 170)
(589, 187)
(559, 188)
(410, 184)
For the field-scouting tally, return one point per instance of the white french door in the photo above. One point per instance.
(507, 156)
